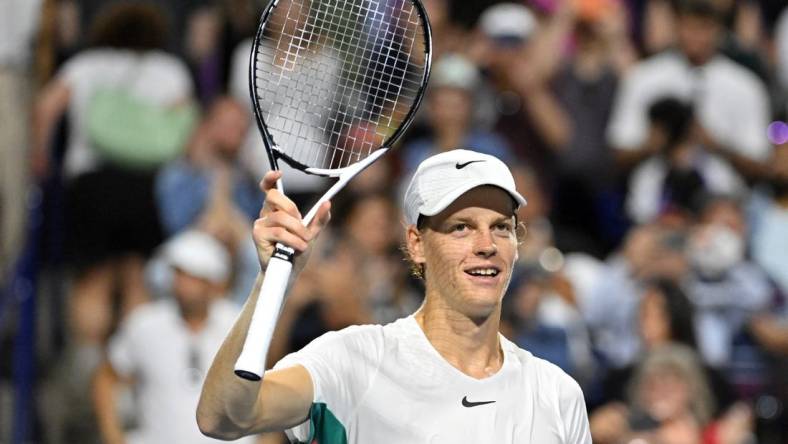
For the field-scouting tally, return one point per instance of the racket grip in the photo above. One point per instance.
(250, 364)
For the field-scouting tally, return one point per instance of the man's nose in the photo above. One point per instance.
(485, 244)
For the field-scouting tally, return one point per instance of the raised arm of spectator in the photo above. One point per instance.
(548, 45)
(532, 76)
(544, 110)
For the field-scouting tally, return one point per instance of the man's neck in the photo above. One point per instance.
(471, 346)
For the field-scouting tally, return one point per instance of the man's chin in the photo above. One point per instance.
(480, 307)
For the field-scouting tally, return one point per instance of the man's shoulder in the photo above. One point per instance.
(357, 345)
(368, 340)
(362, 339)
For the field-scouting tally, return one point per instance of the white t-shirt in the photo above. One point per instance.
(387, 384)
(168, 363)
(154, 75)
(730, 102)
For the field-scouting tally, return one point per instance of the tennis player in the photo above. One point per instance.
(442, 375)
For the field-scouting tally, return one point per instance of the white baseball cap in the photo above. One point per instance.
(441, 179)
(508, 20)
(199, 254)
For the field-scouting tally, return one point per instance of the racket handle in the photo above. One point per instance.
(250, 364)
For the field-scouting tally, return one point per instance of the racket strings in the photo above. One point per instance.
(335, 78)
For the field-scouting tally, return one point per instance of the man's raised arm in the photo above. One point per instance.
(231, 407)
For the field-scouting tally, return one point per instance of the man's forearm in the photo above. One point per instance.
(228, 404)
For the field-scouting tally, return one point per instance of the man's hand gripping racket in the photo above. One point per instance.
(333, 83)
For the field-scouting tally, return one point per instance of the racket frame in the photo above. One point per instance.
(271, 148)
(250, 365)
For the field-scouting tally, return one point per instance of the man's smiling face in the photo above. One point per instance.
(468, 250)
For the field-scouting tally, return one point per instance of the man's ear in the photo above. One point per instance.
(415, 244)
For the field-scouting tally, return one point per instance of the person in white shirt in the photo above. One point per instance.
(110, 222)
(163, 348)
(731, 103)
(441, 375)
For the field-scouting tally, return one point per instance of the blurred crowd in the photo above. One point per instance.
(649, 137)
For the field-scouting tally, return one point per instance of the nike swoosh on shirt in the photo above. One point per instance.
(466, 403)
(460, 166)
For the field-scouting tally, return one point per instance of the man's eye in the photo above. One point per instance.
(459, 228)
(503, 227)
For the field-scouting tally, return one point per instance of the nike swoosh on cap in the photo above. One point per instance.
(460, 166)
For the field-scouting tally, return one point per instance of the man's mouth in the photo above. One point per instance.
(483, 271)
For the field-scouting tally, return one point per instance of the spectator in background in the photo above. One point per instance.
(679, 173)
(670, 402)
(743, 33)
(517, 54)
(17, 28)
(585, 85)
(187, 187)
(665, 316)
(540, 308)
(770, 233)
(210, 188)
(731, 103)
(649, 252)
(212, 32)
(723, 285)
(368, 235)
(450, 112)
(528, 292)
(111, 219)
(541, 316)
(163, 349)
(447, 36)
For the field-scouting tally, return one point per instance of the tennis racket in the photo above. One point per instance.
(334, 83)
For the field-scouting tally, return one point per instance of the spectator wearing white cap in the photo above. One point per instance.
(442, 374)
(163, 348)
(519, 54)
